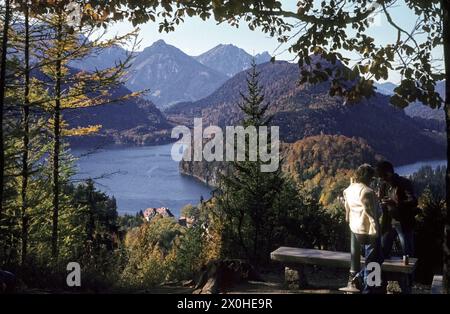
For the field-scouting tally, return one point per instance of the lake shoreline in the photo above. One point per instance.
(145, 177)
(142, 177)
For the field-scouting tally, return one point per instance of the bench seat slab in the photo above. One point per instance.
(292, 256)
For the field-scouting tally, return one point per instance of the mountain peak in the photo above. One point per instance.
(159, 42)
(230, 59)
(228, 46)
(171, 75)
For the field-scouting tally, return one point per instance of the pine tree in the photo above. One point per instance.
(248, 195)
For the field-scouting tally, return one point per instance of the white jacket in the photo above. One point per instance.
(362, 209)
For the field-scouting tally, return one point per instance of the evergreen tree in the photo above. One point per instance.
(248, 195)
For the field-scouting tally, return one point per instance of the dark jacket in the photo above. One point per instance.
(402, 193)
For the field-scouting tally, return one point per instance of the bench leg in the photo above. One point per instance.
(295, 277)
(399, 284)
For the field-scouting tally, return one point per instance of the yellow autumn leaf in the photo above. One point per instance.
(82, 131)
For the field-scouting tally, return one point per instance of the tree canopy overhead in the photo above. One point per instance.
(329, 28)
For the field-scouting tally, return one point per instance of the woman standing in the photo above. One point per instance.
(362, 214)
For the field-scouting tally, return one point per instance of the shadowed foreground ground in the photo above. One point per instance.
(320, 280)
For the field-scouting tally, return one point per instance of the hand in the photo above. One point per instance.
(388, 202)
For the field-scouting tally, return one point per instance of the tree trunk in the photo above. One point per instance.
(2, 98)
(57, 139)
(91, 221)
(446, 27)
(25, 138)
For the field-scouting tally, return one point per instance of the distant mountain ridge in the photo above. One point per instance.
(417, 109)
(302, 111)
(134, 121)
(170, 75)
(104, 59)
(124, 120)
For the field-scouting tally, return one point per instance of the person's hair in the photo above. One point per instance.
(364, 173)
(384, 167)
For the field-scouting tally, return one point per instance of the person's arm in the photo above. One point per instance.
(410, 199)
(370, 207)
(347, 209)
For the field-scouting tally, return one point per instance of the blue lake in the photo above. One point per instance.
(408, 170)
(141, 177)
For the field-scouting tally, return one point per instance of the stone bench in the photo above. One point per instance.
(437, 287)
(294, 260)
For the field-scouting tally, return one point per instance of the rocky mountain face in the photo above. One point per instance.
(417, 109)
(302, 111)
(171, 76)
(230, 60)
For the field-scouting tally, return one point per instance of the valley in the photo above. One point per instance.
(319, 132)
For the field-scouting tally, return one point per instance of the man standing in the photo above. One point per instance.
(399, 205)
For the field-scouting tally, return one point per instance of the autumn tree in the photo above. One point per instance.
(70, 89)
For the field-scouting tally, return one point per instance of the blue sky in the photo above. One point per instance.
(196, 36)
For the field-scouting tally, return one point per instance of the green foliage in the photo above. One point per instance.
(429, 236)
(189, 254)
(88, 235)
(128, 222)
(306, 223)
(100, 219)
(433, 180)
(190, 211)
(261, 211)
(429, 184)
(249, 195)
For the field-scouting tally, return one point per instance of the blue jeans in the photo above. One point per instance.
(406, 241)
(370, 248)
